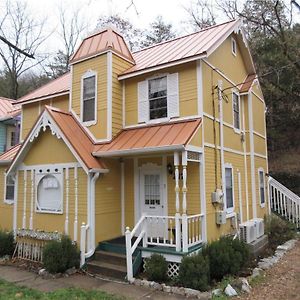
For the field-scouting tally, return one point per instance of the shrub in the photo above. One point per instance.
(278, 230)
(58, 256)
(226, 256)
(7, 244)
(194, 272)
(156, 268)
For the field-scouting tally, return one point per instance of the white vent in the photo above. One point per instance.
(248, 232)
(193, 156)
(259, 226)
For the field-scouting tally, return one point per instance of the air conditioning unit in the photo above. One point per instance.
(248, 232)
(259, 226)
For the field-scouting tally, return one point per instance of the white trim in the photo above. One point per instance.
(15, 212)
(122, 197)
(67, 200)
(88, 74)
(138, 151)
(39, 166)
(252, 163)
(24, 199)
(160, 67)
(258, 97)
(109, 95)
(40, 109)
(202, 197)
(31, 200)
(76, 203)
(43, 98)
(165, 183)
(230, 209)
(123, 104)
(259, 170)
(233, 42)
(200, 87)
(136, 189)
(240, 195)
(21, 126)
(194, 148)
(71, 89)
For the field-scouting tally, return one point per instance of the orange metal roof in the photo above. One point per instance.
(247, 83)
(180, 48)
(76, 136)
(150, 138)
(52, 88)
(8, 109)
(99, 42)
(8, 156)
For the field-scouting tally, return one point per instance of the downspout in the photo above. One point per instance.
(92, 178)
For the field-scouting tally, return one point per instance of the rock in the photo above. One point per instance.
(42, 272)
(58, 275)
(157, 286)
(287, 245)
(191, 293)
(178, 290)
(166, 288)
(246, 288)
(204, 296)
(145, 283)
(137, 282)
(265, 264)
(71, 271)
(230, 291)
(217, 292)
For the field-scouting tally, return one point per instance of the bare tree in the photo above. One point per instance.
(19, 28)
(70, 28)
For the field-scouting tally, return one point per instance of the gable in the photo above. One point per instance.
(48, 149)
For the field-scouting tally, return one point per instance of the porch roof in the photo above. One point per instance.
(7, 157)
(152, 138)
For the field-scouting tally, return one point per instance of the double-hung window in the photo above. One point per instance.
(9, 190)
(229, 189)
(158, 105)
(236, 110)
(261, 178)
(89, 98)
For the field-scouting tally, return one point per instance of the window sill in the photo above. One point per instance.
(9, 202)
(157, 121)
(89, 123)
(238, 131)
(49, 212)
(262, 205)
(230, 214)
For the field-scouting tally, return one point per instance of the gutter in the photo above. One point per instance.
(5, 162)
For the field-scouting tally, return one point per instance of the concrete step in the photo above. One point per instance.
(107, 269)
(111, 257)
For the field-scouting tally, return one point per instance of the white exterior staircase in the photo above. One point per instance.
(284, 202)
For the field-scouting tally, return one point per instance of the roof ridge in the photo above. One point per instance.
(7, 99)
(186, 35)
(42, 86)
(57, 110)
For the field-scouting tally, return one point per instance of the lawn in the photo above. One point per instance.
(11, 291)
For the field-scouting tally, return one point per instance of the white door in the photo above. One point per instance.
(152, 200)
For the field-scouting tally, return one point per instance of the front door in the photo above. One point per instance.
(152, 199)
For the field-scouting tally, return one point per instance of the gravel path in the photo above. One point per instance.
(281, 282)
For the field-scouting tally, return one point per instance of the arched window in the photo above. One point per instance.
(49, 194)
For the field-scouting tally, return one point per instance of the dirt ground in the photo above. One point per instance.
(281, 282)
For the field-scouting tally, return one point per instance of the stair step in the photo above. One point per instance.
(110, 257)
(107, 269)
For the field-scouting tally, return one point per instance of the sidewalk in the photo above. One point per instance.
(25, 278)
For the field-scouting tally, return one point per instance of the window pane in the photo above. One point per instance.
(229, 190)
(89, 87)
(158, 108)
(262, 187)
(158, 87)
(89, 110)
(10, 192)
(236, 110)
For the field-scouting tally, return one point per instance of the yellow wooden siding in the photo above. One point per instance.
(61, 102)
(129, 192)
(258, 115)
(197, 138)
(30, 113)
(108, 203)
(118, 66)
(41, 151)
(6, 210)
(232, 139)
(99, 65)
(257, 90)
(259, 144)
(187, 92)
(227, 63)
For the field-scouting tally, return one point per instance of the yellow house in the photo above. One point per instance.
(159, 150)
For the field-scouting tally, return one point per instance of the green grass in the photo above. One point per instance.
(11, 291)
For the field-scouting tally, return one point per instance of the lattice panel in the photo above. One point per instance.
(173, 270)
(193, 156)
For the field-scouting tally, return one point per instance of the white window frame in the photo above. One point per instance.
(237, 130)
(60, 178)
(230, 209)
(233, 42)
(9, 201)
(88, 74)
(261, 170)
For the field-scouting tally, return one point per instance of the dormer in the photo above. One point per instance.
(96, 93)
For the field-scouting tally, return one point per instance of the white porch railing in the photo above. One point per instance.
(179, 232)
(284, 202)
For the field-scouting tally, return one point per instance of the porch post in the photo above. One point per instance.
(184, 215)
(177, 215)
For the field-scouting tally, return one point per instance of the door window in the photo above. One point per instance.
(152, 189)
